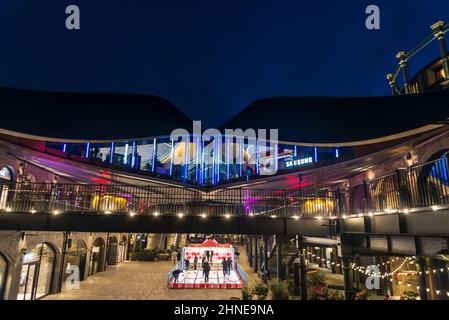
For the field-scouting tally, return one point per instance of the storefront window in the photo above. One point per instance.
(37, 272)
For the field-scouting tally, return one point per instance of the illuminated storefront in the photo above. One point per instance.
(37, 272)
(195, 161)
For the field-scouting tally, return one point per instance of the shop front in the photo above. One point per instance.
(122, 254)
(76, 256)
(37, 272)
(97, 256)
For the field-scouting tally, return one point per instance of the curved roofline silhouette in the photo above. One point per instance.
(326, 121)
(343, 119)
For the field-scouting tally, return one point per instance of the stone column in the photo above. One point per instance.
(256, 254)
(422, 266)
(439, 35)
(302, 270)
(278, 258)
(347, 278)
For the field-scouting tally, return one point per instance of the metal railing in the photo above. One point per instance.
(126, 199)
(420, 186)
(439, 30)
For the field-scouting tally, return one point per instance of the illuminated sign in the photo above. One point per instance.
(298, 162)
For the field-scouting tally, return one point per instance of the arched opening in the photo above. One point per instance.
(97, 256)
(37, 272)
(3, 273)
(122, 254)
(76, 256)
(7, 178)
(112, 251)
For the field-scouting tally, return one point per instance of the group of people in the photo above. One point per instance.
(205, 266)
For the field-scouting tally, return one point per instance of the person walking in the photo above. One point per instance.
(224, 264)
(174, 256)
(206, 270)
(207, 255)
(195, 262)
(178, 256)
(175, 274)
(187, 264)
(203, 261)
(229, 265)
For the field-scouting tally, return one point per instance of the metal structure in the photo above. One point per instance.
(439, 30)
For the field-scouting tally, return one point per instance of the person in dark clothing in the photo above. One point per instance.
(203, 260)
(229, 265)
(175, 274)
(195, 262)
(206, 270)
(224, 263)
(187, 264)
(179, 256)
(207, 255)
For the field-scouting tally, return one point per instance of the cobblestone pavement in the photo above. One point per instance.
(133, 280)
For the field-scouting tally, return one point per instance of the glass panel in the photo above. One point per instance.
(144, 156)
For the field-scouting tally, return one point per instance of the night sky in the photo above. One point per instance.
(212, 58)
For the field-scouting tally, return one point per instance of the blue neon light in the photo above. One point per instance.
(125, 160)
(257, 157)
(218, 160)
(240, 158)
(154, 155)
(186, 156)
(64, 147)
(133, 156)
(172, 154)
(227, 158)
(111, 156)
(197, 160)
(87, 149)
(337, 153)
(316, 153)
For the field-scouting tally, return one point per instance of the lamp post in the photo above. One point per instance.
(402, 56)
(439, 35)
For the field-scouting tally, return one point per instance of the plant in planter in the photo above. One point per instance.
(336, 295)
(280, 291)
(247, 293)
(364, 295)
(318, 286)
(260, 290)
(409, 295)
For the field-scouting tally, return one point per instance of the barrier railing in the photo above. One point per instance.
(124, 199)
(420, 186)
(241, 273)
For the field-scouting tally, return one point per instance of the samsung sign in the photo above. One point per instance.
(298, 162)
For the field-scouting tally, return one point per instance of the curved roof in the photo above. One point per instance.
(88, 115)
(315, 120)
(334, 120)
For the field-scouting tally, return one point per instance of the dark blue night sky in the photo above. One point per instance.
(211, 58)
